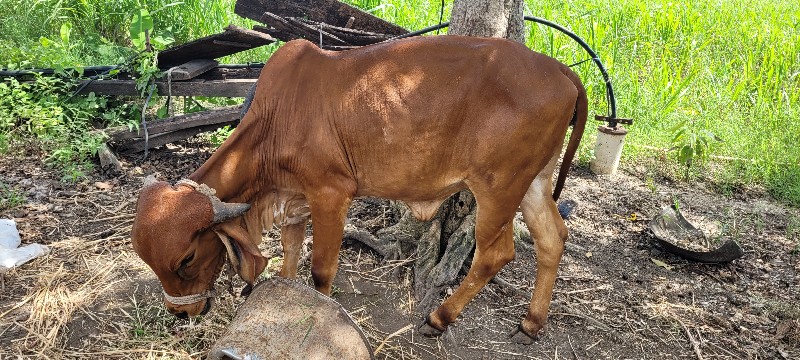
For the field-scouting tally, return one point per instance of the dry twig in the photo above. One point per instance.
(695, 344)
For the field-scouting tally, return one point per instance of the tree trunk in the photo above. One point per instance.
(444, 244)
(488, 18)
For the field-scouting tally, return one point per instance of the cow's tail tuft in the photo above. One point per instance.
(578, 125)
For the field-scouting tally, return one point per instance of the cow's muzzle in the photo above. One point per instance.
(185, 306)
(189, 299)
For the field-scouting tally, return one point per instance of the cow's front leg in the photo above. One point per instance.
(328, 211)
(292, 237)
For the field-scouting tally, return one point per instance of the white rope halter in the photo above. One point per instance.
(189, 299)
(201, 188)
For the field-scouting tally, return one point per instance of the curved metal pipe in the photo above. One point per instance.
(611, 101)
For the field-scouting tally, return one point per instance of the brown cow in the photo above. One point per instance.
(414, 120)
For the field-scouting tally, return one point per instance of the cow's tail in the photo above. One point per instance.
(578, 125)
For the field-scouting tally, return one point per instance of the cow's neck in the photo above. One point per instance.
(231, 170)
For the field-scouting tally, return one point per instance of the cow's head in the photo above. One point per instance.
(184, 233)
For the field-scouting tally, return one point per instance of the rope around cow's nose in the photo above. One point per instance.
(189, 299)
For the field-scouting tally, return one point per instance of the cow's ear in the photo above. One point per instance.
(243, 253)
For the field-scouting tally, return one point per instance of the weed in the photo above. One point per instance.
(650, 182)
(217, 137)
(793, 232)
(793, 227)
(10, 197)
(692, 144)
(62, 126)
(4, 142)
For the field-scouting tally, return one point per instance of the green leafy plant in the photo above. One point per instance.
(63, 45)
(692, 144)
(217, 137)
(142, 30)
(62, 125)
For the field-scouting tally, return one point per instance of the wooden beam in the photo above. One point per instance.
(233, 40)
(333, 37)
(328, 11)
(308, 32)
(166, 138)
(227, 73)
(221, 88)
(276, 33)
(179, 122)
(191, 69)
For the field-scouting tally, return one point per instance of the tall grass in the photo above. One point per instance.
(731, 67)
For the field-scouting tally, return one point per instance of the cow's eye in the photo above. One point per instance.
(184, 263)
(187, 260)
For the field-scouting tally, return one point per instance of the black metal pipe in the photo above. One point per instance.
(612, 103)
(421, 31)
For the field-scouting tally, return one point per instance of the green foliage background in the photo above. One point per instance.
(696, 68)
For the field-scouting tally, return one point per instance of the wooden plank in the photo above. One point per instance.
(356, 38)
(278, 34)
(291, 25)
(221, 88)
(166, 138)
(235, 39)
(225, 73)
(351, 36)
(328, 11)
(333, 37)
(179, 122)
(191, 69)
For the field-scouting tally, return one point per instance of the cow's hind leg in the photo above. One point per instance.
(494, 247)
(549, 234)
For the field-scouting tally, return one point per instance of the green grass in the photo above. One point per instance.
(10, 197)
(731, 68)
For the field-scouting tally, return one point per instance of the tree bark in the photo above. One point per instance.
(487, 18)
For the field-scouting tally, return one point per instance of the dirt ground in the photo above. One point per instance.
(617, 295)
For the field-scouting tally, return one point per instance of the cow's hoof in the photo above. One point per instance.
(428, 330)
(246, 290)
(519, 336)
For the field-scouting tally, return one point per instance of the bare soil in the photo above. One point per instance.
(617, 295)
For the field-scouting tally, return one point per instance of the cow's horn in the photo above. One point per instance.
(149, 180)
(225, 211)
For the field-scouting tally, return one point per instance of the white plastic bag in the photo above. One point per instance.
(10, 253)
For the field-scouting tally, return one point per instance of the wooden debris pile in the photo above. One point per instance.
(192, 68)
(328, 23)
